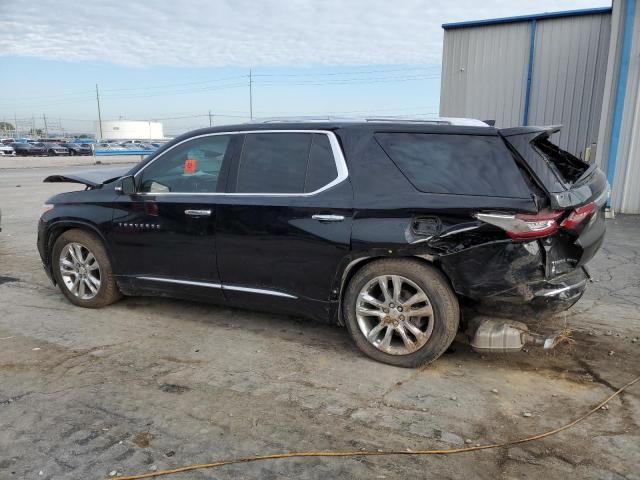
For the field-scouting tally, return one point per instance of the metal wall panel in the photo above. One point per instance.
(484, 72)
(569, 69)
(626, 186)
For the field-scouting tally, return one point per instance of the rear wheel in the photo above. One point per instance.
(72, 152)
(52, 153)
(401, 312)
(83, 271)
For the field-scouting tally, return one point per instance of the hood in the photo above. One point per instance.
(91, 178)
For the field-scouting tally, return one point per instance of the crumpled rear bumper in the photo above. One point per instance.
(541, 297)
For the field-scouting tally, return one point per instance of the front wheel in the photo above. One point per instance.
(83, 271)
(401, 312)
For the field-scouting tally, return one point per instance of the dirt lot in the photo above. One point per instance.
(153, 383)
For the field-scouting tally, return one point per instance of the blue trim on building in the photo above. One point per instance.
(527, 92)
(527, 18)
(625, 55)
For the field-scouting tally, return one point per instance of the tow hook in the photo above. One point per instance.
(500, 335)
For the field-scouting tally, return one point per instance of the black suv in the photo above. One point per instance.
(385, 227)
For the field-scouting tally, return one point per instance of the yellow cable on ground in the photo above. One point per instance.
(371, 453)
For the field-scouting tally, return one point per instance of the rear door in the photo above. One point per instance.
(285, 224)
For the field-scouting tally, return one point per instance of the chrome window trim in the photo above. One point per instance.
(338, 157)
(219, 286)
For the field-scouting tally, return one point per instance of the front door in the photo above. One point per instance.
(164, 236)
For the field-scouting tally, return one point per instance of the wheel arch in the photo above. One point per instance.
(57, 228)
(356, 265)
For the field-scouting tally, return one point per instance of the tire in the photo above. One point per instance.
(106, 292)
(436, 330)
(72, 152)
(51, 153)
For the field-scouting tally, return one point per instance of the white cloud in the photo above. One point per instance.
(246, 32)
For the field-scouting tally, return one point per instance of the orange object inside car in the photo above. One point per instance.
(190, 166)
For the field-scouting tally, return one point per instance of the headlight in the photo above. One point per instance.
(46, 207)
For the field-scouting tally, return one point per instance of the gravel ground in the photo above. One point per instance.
(156, 383)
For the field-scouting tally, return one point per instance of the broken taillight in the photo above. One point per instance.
(524, 226)
(579, 216)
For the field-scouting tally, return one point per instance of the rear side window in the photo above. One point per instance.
(322, 167)
(455, 164)
(285, 163)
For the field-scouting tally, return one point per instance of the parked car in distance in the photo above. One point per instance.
(7, 150)
(53, 148)
(27, 148)
(78, 148)
(385, 227)
(136, 146)
(108, 146)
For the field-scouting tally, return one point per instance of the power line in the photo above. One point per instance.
(353, 81)
(173, 84)
(178, 92)
(367, 72)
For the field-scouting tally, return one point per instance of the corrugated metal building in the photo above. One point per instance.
(619, 136)
(555, 68)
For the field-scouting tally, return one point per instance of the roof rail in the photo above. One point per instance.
(431, 120)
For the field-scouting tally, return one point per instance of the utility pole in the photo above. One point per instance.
(46, 130)
(210, 122)
(99, 114)
(250, 95)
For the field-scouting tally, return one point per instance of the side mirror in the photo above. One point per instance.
(127, 185)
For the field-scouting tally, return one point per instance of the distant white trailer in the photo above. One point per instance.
(129, 130)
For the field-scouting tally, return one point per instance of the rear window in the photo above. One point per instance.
(569, 167)
(455, 164)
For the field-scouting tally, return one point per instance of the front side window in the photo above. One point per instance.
(192, 167)
(285, 163)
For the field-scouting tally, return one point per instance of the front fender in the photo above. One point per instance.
(51, 227)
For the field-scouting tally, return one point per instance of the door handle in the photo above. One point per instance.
(328, 218)
(198, 213)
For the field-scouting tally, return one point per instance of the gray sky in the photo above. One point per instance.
(178, 60)
(218, 33)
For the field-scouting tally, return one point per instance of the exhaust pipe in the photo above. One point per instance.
(500, 335)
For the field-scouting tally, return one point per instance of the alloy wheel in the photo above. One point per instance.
(394, 314)
(80, 271)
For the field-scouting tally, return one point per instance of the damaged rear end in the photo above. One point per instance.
(533, 264)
